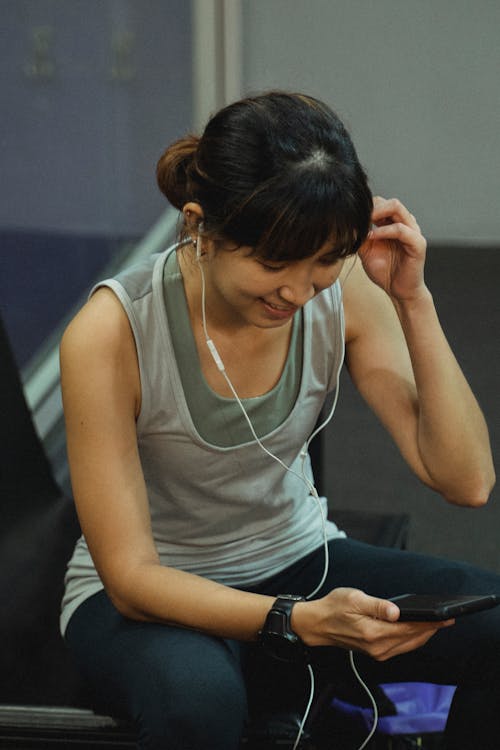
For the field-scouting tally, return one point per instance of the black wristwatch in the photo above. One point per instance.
(277, 637)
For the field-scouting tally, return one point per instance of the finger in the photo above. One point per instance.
(394, 648)
(412, 635)
(404, 637)
(400, 232)
(378, 609)
(386, 211)
(386, 610)
(414, 223)
(387, 207)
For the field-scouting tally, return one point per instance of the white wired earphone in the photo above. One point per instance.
(312, 489)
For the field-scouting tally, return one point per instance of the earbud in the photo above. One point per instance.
(198, 241)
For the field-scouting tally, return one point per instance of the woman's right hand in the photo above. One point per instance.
(350, 619)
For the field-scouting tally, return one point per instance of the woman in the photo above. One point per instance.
(191, 385)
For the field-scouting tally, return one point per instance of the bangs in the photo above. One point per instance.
(294, 219)
(297, 234)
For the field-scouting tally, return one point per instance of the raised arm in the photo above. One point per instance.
(402, 364)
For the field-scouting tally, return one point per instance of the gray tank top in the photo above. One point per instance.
(220, 420)
(228, 513)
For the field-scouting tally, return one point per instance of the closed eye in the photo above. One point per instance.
(272, 266)
(329, 260)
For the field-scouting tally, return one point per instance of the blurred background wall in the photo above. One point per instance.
(92, 91)
(417, 83)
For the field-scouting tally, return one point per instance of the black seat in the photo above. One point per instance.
(42, 697)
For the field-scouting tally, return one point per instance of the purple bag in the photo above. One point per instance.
(421, 708)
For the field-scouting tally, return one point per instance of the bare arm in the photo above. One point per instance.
(101, 393)
(401, 362)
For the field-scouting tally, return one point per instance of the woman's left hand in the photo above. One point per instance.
(393, 254)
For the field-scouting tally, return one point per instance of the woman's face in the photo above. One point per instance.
(247, 290)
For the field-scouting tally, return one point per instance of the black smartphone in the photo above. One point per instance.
(431, 607)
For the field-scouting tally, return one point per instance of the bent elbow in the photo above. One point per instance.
(125, 585)
(484, 490)
(475, 496)
(125, 608)
(476, 501)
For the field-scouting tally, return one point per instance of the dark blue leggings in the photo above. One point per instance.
(189, 691)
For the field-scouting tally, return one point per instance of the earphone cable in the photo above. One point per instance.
(371, 698)
(308, 708)
(303, 477)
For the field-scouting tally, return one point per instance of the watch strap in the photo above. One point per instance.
(277, 636)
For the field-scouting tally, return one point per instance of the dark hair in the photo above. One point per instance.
(277, 172)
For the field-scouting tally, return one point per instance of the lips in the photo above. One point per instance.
(280, 308)
(279, 312)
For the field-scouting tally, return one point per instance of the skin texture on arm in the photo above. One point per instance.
(401, 363)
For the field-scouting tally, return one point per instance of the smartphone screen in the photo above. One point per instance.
(431, 607)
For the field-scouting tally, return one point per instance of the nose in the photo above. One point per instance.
(299, 286)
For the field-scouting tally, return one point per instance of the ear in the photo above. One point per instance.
(193, 216)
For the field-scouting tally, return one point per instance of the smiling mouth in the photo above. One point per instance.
(280, 308)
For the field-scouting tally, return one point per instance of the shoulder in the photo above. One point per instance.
(98, 344)
(101, 325)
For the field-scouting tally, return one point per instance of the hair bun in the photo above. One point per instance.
(173, 170)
